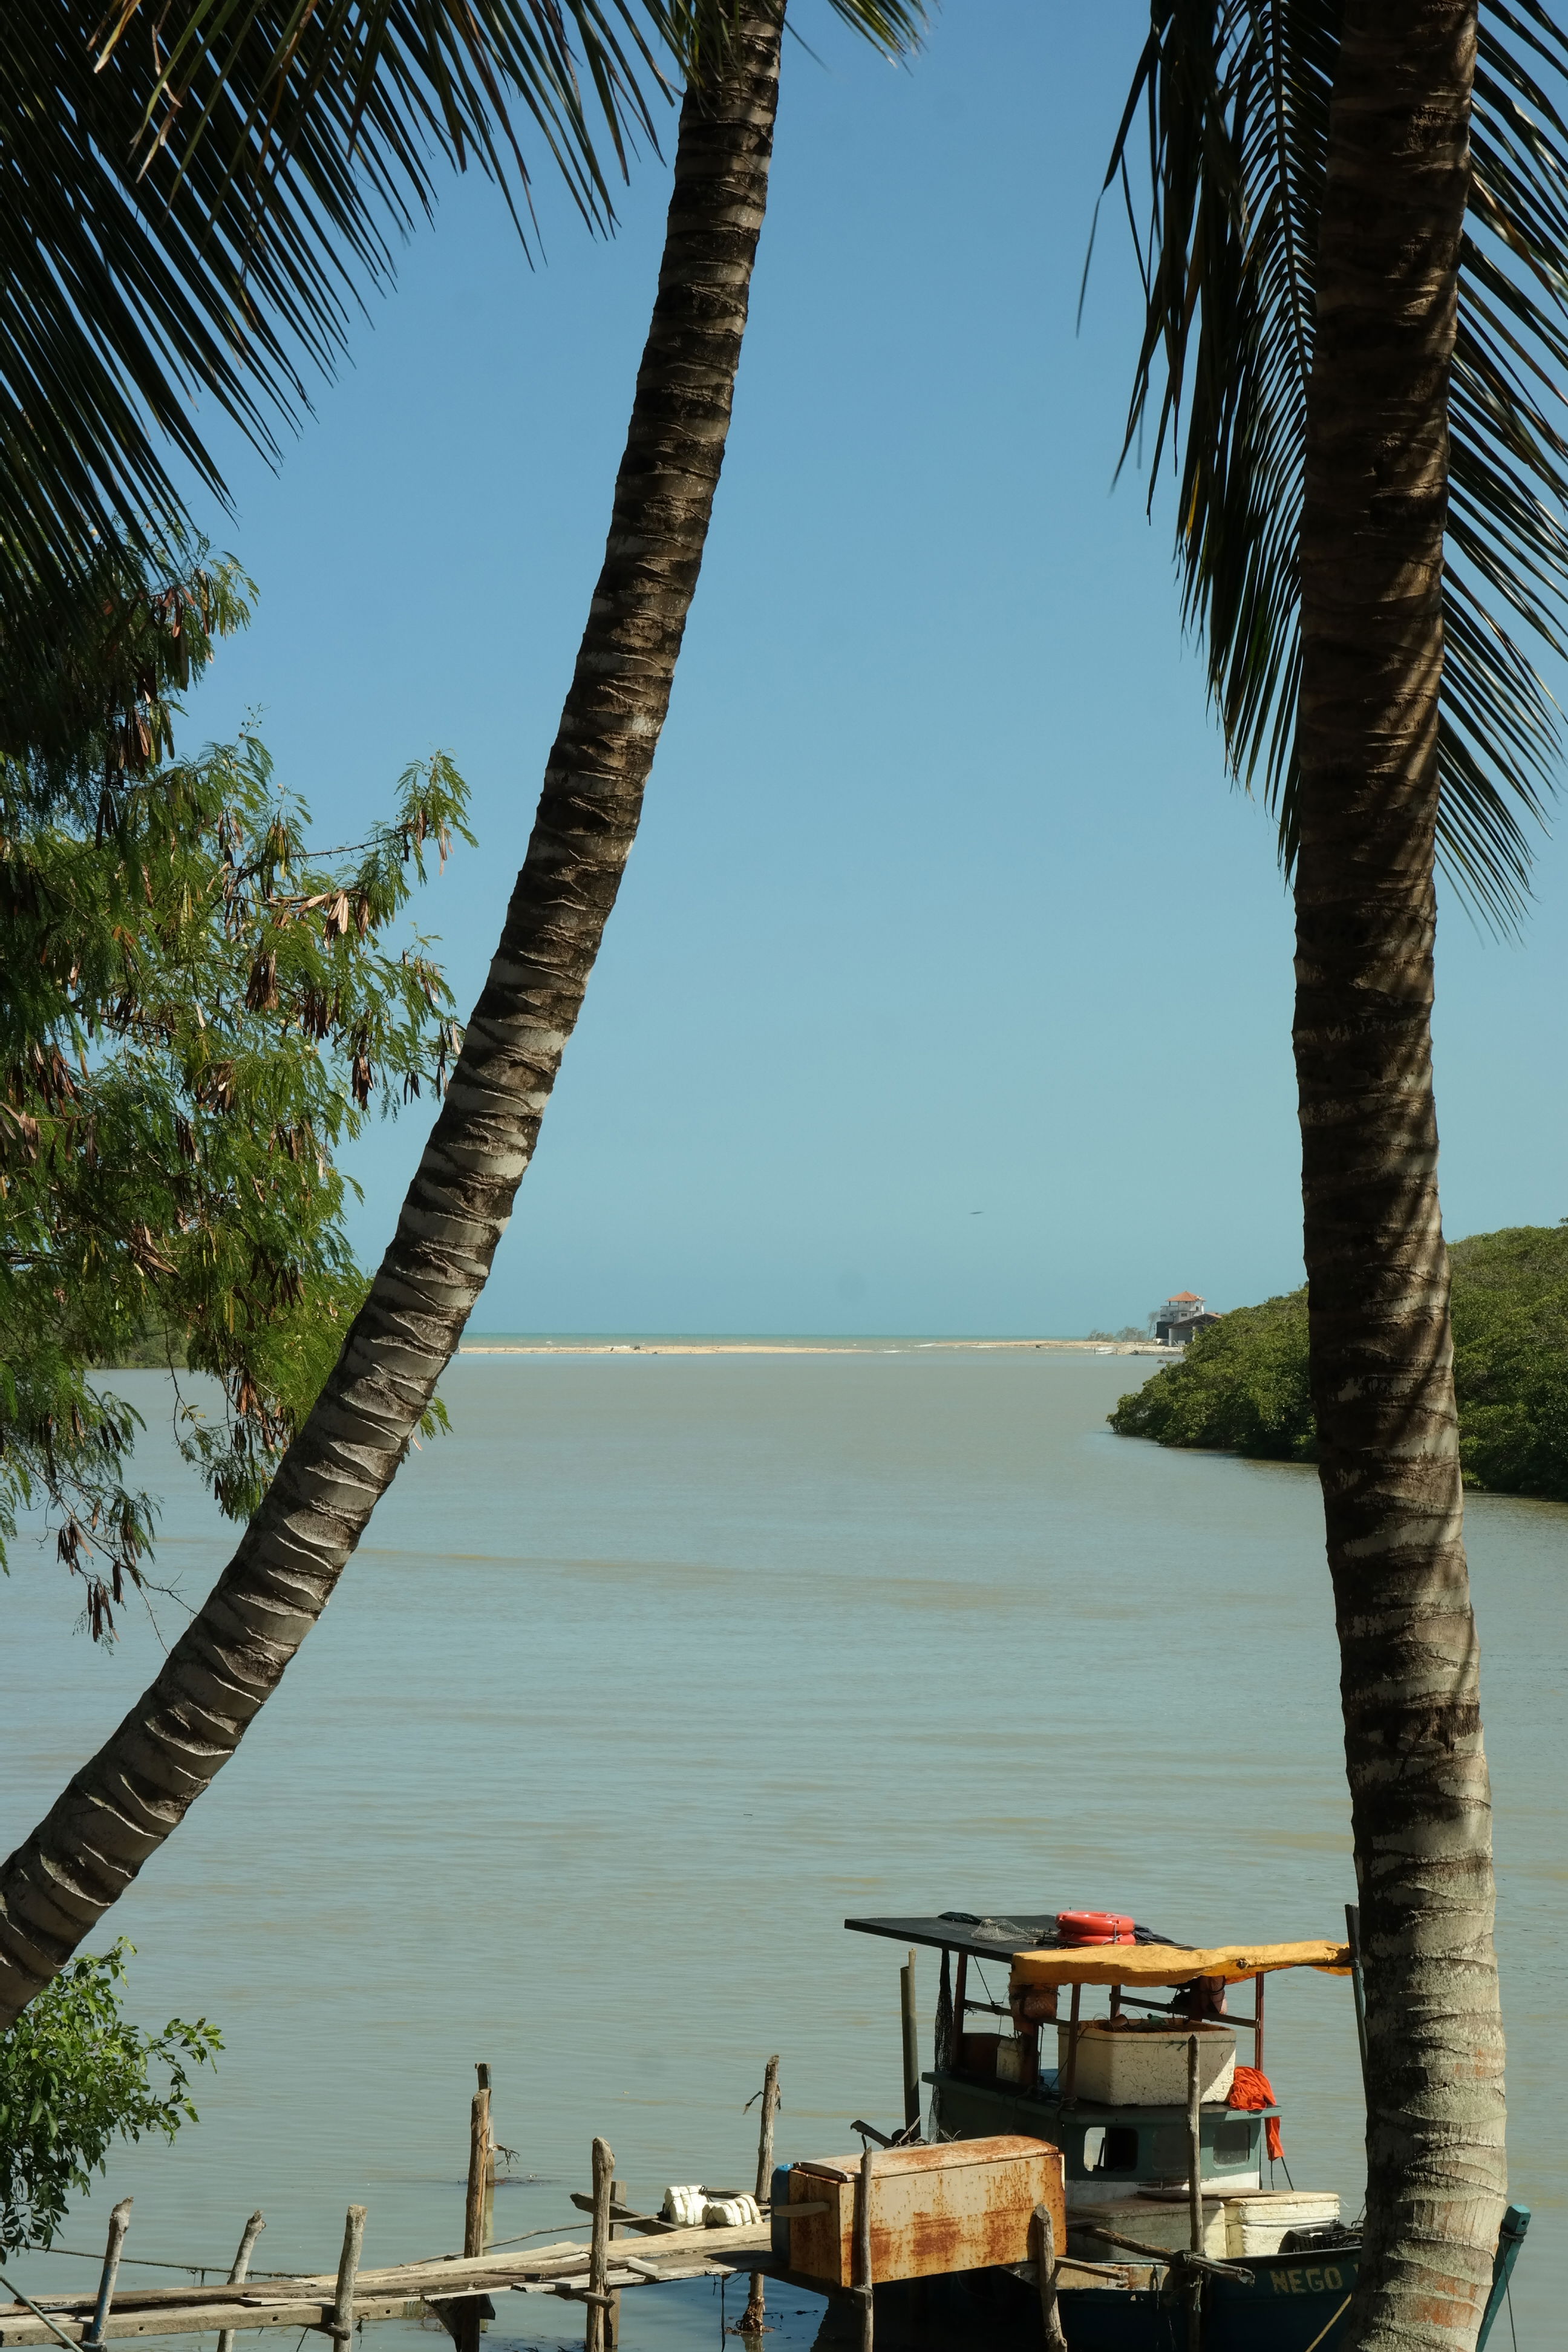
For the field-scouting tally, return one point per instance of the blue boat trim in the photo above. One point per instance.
(1511, 2237)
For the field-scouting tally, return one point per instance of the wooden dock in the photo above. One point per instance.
(403, 2292)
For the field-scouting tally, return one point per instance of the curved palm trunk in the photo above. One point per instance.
(122, 1806)
(1371, 557)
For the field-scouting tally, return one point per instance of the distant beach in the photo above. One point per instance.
(505, 1344)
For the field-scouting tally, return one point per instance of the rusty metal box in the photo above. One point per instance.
(962, 2206)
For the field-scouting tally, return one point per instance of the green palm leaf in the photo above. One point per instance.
(142, 267)
(196, 194)
(1235, 95)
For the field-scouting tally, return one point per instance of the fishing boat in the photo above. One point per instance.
(1091, 2170)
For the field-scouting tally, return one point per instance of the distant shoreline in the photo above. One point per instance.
(502, 1345)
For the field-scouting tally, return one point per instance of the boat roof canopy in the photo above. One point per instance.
(1172, 1964)
(986, 1938)
(1029, 1939)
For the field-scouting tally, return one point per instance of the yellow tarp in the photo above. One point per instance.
(1165, 1964)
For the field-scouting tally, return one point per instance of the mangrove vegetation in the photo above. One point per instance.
(1242, 1385)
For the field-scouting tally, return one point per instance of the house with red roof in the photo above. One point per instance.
(1183, 1315)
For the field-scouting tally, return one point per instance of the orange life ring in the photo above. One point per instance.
(1093, 1928)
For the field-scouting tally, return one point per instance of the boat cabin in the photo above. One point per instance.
(1082, 2062)
(1087, 2044)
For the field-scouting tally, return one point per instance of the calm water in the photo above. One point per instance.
(656, 1668)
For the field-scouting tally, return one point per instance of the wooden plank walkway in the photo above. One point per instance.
(402, 2291)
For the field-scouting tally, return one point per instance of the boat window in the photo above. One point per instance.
(1233, 2143)
(1111, 2148)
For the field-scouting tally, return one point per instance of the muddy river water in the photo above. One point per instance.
(661, 1666)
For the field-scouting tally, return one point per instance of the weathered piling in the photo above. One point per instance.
(1195, 2193)
(596, 2299)
(1043, 2246)
(751, 2321)
(240, 2268)
(341, 2326)
(911, 2046)
(766, 2131)
(119, 2222)
(481, 2167)
(865, 2282)
(466, 2320)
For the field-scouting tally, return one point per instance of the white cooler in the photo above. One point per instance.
(1131, 2065)
(1255, 2225)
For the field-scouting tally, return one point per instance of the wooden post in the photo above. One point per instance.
(241, 2269)
(599, 2250)
(1043, 2235)
(1258, 1984)
(465, 2319)
(1069, 2082)
(481, 2166)
(1195, 2193)
(342, 2328)
(753, 2320)
(119, 2222)
(911, 2047)
(613, 2315)
(864, 2281)
(960, 2010)
(765, 2134)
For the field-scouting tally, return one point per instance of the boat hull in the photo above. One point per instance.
(1296, 2302)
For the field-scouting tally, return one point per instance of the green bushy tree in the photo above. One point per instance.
(75, 2076)
(1243, 1384)
(196, 1010)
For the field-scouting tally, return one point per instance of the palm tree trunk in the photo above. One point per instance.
(1372, 563)
(122, 1806)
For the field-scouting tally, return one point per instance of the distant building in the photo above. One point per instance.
(1181, 1317)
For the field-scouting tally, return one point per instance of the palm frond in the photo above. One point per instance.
(1235, 95)
(196, 197)
(144, 265)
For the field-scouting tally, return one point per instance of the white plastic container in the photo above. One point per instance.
(686, 2205)
(1255, 2225)
(1146, 2066)
(731, 2212)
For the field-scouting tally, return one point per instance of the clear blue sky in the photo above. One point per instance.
(942, 903)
